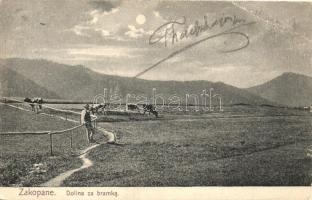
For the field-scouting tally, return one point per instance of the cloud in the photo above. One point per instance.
(93, 31)
(96, 14)
(105, 33)
(104, 6)
(136, 33)
(119, 20)
(156, 13)
(80, 30)
(105, 51)
(89, 32)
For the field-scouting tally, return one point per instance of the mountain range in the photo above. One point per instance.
(24, 77)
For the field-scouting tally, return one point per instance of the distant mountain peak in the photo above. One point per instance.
(291, 89)
(293, 74)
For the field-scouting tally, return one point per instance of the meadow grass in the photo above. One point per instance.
(245, 146)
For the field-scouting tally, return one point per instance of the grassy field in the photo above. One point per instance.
(26, 160)
(242, 146)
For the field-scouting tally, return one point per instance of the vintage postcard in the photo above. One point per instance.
(116, 99)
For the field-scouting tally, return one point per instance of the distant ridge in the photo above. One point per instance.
(288, 89)
(14, 84)
(80, 83)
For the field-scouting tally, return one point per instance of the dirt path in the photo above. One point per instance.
(57, 181)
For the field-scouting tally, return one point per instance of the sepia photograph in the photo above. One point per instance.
(135, 93)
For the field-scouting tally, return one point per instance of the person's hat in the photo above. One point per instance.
(86, 106)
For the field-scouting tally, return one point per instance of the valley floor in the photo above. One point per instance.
(242, 146)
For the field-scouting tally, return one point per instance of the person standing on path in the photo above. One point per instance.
(86, 120)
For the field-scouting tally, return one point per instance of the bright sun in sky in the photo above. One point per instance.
(140, 19)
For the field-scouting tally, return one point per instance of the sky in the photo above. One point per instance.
(125, 38)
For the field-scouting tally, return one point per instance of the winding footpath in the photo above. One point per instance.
(58, 180)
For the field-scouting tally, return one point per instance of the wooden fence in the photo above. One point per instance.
(51, 134)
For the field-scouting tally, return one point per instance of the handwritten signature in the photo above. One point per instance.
(167, 33)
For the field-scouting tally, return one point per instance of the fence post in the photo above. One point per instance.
(71, 139)
(66, 116)
(51, 144)
(94, 123)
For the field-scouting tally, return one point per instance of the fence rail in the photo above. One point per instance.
(27, 133)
